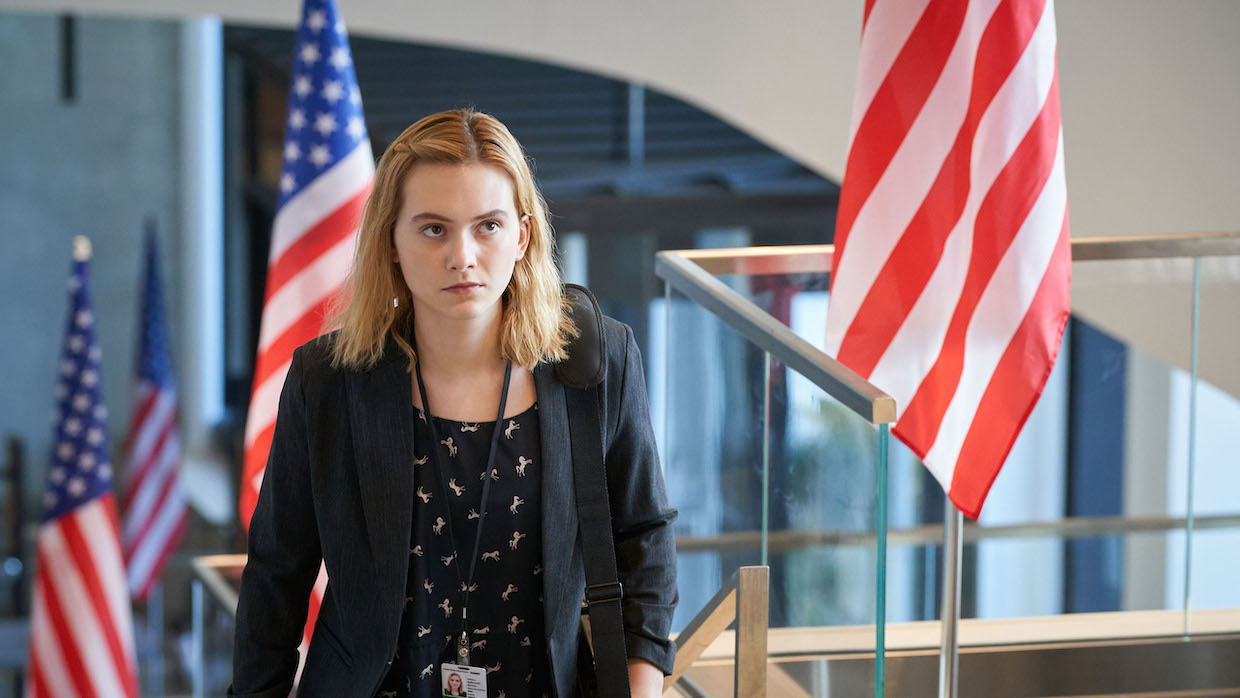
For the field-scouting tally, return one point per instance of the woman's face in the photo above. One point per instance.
(457, 239)
(454, 682)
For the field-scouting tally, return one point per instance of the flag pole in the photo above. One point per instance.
(953, 522)
(155, 633)
(880, 610)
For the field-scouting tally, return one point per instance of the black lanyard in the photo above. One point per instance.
(466, 583)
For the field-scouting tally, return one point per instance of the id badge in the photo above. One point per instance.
(461, 680)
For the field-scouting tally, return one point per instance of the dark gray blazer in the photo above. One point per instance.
(339, 487)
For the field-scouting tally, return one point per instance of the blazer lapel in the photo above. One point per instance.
(381, 417)
(559, 505)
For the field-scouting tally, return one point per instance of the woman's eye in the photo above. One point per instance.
(433, 231)
(490, 226)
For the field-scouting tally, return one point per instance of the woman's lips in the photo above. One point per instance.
(463, 289)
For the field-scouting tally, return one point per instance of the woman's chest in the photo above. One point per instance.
(477, 515)
(487, 474)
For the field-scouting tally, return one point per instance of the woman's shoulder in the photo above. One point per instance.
(316, 361)
(314, 358)
(618, 337)
(623, 355)
(317, 353)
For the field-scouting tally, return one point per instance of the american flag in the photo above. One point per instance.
(328, 170)
(154, 502)
(81, 628)
(949, 286)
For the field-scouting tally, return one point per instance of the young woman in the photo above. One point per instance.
(455, 687)
(437, 389)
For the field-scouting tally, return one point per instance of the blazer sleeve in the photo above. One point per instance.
(284, 556)
(641, 519)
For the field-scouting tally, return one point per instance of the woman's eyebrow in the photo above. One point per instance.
(493, 213)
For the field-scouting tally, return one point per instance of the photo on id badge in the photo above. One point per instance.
(460, 680)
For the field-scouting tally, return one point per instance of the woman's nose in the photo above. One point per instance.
(463, 253)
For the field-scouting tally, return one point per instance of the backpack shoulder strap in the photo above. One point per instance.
(587, 353)
(581, 374)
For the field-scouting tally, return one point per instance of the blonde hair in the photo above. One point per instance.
(536, 325)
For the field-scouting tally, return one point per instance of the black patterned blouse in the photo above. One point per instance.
(506, 605)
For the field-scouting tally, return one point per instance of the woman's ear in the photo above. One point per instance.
(523, 236)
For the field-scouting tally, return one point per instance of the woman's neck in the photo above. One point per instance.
(458, 348)
(463, 369)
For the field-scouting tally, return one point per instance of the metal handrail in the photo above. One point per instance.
(1155, 246)
(803, 259)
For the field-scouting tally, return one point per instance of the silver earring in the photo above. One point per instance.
(395, 302)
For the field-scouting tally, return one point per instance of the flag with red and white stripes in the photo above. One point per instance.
(327, 175)
(155, 511)
(950, 279)
(81, 628)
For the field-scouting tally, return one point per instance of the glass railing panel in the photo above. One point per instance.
(1101, 504)
(1214, 568)
(1123, 421)
(1001, 586)
(1108, 438)
(821, 476)
(765, 468)
(1141, 571)
(1149, 576)
(213, 618)
(711, 426)
(823, 507)
(1179, 435)
(218, 626)
(1215, 434)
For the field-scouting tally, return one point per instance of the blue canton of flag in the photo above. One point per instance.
(325, 106)
(80, 469)
(153, 352)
